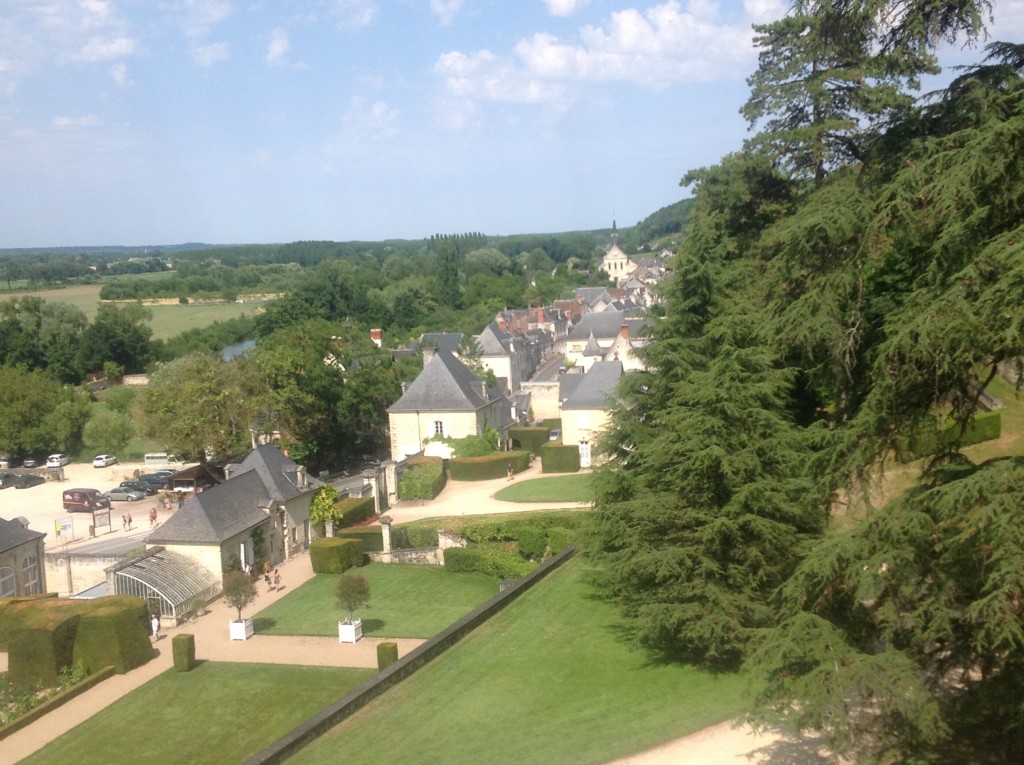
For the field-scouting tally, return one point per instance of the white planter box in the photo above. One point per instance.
(240, 630)
(350, 632)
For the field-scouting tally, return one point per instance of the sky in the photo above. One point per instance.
(148, 122)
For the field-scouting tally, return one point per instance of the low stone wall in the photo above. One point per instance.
(432, 556)
(320, 723)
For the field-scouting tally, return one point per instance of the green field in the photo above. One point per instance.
(551, 679)
(577, 487)
(168, 320)
(406, 601)
(215, 713)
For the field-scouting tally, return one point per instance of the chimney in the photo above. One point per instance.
(624, 332)
(428, 354)
(483, 389)
(377, 336)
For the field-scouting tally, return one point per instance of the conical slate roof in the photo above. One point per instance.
(444, 385)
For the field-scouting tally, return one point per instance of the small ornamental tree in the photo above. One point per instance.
(239, 590)
(324, 506)
(352, 592)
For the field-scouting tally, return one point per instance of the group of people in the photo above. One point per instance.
(272, 582)
(126, 522)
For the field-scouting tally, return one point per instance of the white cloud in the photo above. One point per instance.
(655, 47)
(199, 17)
(364, 122)
(106, 49)
(119, 74)
(761, 11)
(277, 51)
(208, 55)
(354, 14)
(445, 10)
(564, 7)
(65, 123)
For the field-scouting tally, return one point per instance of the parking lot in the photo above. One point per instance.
(43, 506)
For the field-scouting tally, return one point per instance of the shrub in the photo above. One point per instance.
(333, 555)
(559, 539)
(488, 467)
(114, 634)
(555, 458)
(485, 560)
(530, 439)
(387, 654)
(415, 536)
(532, 542)
(198, 607)
(183, 647)
(422, 480)
(930, 438)
(371, 538)
(353, 510)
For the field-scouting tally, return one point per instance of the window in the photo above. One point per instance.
(8, 585)
(438, 428)
(30, 571)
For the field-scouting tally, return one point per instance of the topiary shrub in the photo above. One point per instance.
(114, 634)
(183, 648)
(422, 480)
(488, 467)
(333, 555)
(371, 537)
(530, 439)
(387, 654)
(559, 459)
(41, 648)
(532, 542)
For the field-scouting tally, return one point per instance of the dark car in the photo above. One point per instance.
(28, 481)
(85, 500)
(156, 481)
(148, 489)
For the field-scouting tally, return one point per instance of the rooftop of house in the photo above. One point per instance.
(597, 388)
(15, 533)
(445, 385)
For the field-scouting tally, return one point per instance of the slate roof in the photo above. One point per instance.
(443, 341)
(592, 349)
(277, 471)
(494, 341)
(217, 514)
(605, 324)
(596, 389)
(15, 534)
(444, 385)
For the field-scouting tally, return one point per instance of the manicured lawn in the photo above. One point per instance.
(219, 713)
(405, 601)
(560, 488)
(552, 679)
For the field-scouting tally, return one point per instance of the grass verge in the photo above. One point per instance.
(405, 601)
(577, 487)
(215, 713)
(551, 679)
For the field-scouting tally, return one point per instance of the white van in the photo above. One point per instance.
(160, 459)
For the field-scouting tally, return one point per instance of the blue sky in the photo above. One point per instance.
(226, 121)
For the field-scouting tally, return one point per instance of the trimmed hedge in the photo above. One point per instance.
(371, 537)
(555, 458)
(530, 439)
(46, 635)
(488, 467)
(183, 648)
(387, 654)
(930, 438)
(9, 610)
(354, 510)
(536, 535)
(423, 480)
(334, 555)
(485, 560)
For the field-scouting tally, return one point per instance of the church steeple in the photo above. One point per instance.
(615, 233)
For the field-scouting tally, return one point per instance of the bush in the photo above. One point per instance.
(422, 480)
(555, 458)
(930, 438)
(413, 537)
(371, 537)
(353, 510)
(530, 439)
(532, 542)
(488, 467)
(183, 647)
(352, 591)
(559, 539)
(115, 634)
(333, 555)
(485, 560)
(387, 654)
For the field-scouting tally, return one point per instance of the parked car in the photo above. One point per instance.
(554, 435)
(156, 481)
(122, 494)
(7, 462)
(85, 500)
(57, 460)
(28, 481)
(30, 462)
(145, 488)
(104, 460)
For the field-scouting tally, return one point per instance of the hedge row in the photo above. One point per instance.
(46, 635)
(485, 560)
(334, 555)
(354, 510)
(530, 439)
(488, 467)
(536, 536)
(555, 458)
(370, 537)
(931, 438)
(423, 479)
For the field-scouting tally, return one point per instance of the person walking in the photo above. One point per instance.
(129, 521)
(277, 579)
(155, 624)
(124, 522)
